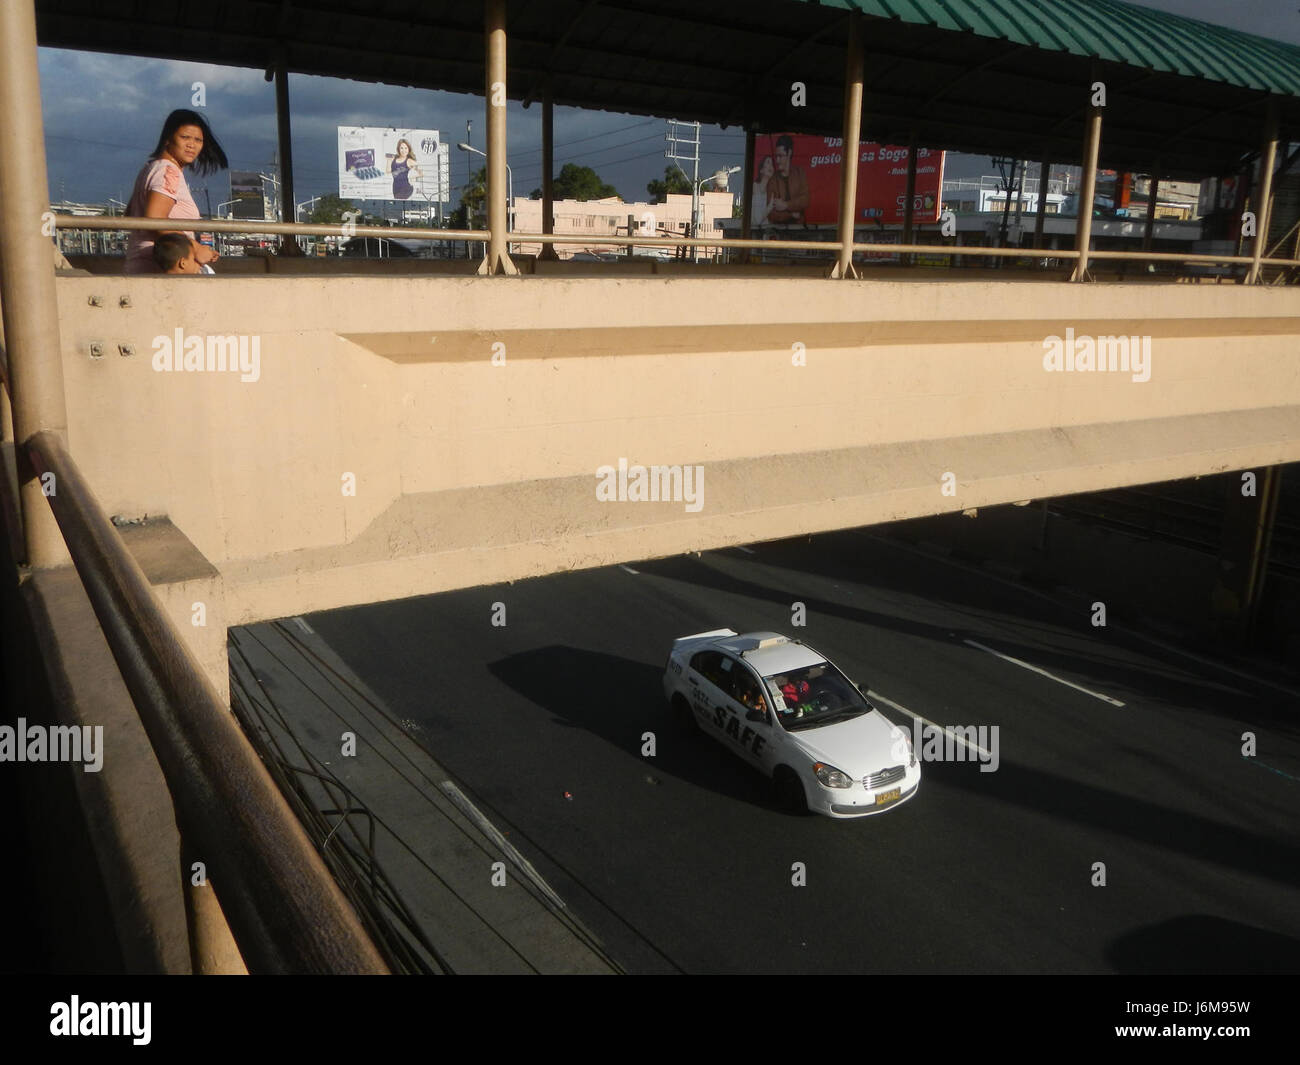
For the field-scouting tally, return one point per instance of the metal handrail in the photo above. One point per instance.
(309, 229)
(285, 910)
(1285, 237)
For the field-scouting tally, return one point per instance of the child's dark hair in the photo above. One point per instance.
(210, 156)
(169, 249)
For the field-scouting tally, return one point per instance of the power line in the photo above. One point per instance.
(594, 136)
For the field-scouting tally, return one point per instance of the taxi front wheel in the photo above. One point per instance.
(789, 791)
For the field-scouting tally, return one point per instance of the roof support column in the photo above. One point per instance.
(288, 205)
(548, 251)
(1264, 201)
(747, 195)
(1083, 226)
(1153, 197)
(853, 72)
(31, 315)
(909, 211)
(1042, 204)
(1248, 524)
(494, 32)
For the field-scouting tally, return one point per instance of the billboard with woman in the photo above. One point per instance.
(797, 181)
(392, 164)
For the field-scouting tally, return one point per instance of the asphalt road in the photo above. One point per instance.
(680, 861)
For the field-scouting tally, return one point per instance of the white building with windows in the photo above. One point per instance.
(610, 217)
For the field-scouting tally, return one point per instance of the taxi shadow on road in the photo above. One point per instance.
(1200, 943)
(619, 700)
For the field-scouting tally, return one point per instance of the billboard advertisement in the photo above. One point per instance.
(247, 195)
(797, 181)
(393, 164)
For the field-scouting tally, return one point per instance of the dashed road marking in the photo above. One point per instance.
(911, 713)
(1044, 673)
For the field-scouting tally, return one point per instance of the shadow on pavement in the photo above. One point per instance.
(1199, 943)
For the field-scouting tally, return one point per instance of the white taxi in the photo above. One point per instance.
(787, 711)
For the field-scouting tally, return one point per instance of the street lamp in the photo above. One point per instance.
(297, 217)
(510, 190)
(720, 176)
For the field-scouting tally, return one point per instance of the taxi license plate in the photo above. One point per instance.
(886, 797)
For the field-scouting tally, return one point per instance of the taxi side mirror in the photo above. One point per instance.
(756, 715)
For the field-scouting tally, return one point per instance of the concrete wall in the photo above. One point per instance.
(457, 460)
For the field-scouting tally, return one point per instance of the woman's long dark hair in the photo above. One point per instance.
(210, 157)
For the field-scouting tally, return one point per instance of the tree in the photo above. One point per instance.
(329, 209)
(673, 181)
(473, 202)
(575, 182)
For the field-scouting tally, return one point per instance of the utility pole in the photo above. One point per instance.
(1008, 183)
(469, 175)
(678, 142)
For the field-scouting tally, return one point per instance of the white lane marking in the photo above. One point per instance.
(494, 834)
(947, 732)
(628, 568)
(746, 550)
(304, 626)
(1043, 672)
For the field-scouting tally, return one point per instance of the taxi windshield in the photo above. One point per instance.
(814, 696)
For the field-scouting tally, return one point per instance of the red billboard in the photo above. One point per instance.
(797, 181)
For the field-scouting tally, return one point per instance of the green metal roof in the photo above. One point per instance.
(1109, 30)
(988, 76)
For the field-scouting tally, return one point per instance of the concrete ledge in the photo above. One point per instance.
(190, 589)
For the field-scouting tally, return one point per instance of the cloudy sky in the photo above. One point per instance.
(97, 141)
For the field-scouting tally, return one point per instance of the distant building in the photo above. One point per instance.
(89, 241)
(609, 217)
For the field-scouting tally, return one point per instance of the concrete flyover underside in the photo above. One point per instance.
(409, 435)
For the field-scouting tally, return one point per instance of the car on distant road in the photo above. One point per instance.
(787, 711)
(379, 248)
